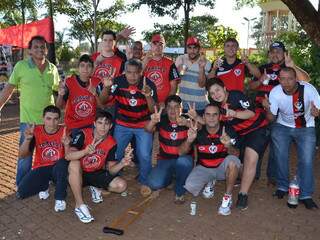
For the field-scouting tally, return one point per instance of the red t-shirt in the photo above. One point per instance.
(161, 72)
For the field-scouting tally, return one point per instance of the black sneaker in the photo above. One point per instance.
(242, 202)
(309, 203)
(279, 193)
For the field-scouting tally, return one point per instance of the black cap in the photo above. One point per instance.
(277, 44)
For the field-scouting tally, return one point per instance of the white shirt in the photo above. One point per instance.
(294, 110)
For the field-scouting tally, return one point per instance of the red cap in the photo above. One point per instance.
(158, 38)
(193, 41)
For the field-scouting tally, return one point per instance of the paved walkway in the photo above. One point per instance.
(266, 218)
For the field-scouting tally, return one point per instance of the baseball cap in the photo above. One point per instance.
(158, 38)
(277, 44)
(193, 41)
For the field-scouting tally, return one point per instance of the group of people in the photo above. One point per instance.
(208, 129)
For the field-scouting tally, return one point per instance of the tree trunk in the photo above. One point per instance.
(23, 15)
(95, 6)
(307, 16)
(186, 9)
(52, 50)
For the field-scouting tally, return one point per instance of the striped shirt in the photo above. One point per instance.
(189, 90)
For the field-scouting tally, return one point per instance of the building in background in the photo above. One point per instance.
(277, 18)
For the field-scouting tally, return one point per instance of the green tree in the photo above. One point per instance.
(203, 27)
(88, 20)
(170, 7)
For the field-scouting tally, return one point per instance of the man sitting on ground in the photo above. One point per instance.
(93, 163)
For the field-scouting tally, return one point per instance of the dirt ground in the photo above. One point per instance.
(266, 218)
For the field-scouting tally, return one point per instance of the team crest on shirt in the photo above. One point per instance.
(156, 78)
(273, 76)
(237, 72)
(173, 135)
(92, 161)
(104, 70)
(298, 106)
(174, 125)
(50, 154)
(114, 87)
(133, 102)
(213, 148)
(244, 104)
(83, 109)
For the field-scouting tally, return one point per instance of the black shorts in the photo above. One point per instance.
(99, 179)
(256, 140)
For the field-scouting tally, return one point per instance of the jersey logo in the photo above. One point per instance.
(174, 125)
(245, 104)
(156, 78)
(273, 76)
(173, 135)
(91, 161)
(213, 148)
(114, 87)
(237, 72)
(133, 102)
(50, 154)
(104, 70)
(298, 106)
(83, 109)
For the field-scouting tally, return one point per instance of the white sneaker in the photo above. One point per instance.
(60, 205)
(208, 191)
(96, 195)
(43, 195)
(225, 208)
(83, 214)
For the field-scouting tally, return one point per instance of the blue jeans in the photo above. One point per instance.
(161, 175)
(305, 139)
(123, 136)
(24, 164)
(38, 179)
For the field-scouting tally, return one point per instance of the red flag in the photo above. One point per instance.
(20, 35)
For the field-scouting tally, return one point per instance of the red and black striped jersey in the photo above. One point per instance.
(171, 135)
(232, 75)
(211, 152)
(273, 72)
(161, 72)
(81, 103)
(105, 150)
(131, 105)
(49, 148)
(237, 101)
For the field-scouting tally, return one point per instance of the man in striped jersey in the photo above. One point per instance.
(173, 130)
(193, 69)
(293, 105)
(135, 97)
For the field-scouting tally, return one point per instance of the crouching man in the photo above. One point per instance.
(173, 130)
(48, 164)
(93, 163)
(212, 143)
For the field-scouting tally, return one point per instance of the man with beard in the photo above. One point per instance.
(278, 59)
(193, 69)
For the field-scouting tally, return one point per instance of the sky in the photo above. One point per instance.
(223, 11)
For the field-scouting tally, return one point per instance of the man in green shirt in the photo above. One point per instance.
(36, 79)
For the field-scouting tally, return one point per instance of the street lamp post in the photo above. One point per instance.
(248, 36)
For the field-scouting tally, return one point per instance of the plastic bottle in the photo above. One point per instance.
(293, 195)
